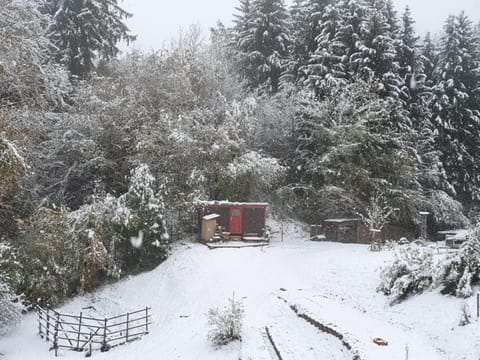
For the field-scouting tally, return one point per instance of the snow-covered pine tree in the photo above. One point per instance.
(87, 30)
(430, 59)
(298, 53)
(459, 272)
(408, 56)
(241, 21)
(414, 94)
(315, 11)
(391, 15)
(305, 21)
(354, 14)
(347, 150)
(324, 67)
(264, 44)
(375, 57)
(456, 107)
(141, 214)
(242, 30)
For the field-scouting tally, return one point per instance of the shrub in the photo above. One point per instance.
(226, 324)
(10, 308)
(456, 274)
(50, 257)
(414, 270)
(410, 273)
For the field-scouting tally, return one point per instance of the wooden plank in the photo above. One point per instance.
(146, 319)
(235, 245)
(127, 326)
(65, 333)
(79, 330)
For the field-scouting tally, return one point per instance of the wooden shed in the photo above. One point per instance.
(356, 231)
(346, 231)
(238, 221)
(209, 225)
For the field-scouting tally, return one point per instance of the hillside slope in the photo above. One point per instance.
(333, 281)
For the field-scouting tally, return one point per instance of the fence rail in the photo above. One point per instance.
(85, 333)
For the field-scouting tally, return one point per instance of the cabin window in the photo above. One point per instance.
(235, 212)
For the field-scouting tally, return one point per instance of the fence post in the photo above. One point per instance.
(104, 343)
(146, 320)
(55, 336)
(48, 323)
(128, 315)
(478, 305)
(79, 330)
(89, 353)
(39, 314)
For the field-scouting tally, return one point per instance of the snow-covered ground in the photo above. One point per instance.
(330, 282)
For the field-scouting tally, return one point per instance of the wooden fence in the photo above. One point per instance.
(85, 333)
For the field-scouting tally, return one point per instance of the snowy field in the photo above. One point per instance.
(332, 283)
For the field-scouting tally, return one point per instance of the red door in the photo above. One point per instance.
(235, 220)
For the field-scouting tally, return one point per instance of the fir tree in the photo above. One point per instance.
(242, 21)
(350, 34)
(408, 56)
(391, 16)
(87, 30)
(324, 61)
(456, 105)
(430, 59)
(264, 43)
(375, 57)
(414, 92)
(299, 47)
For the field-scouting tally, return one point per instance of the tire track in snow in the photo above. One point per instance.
(295, 339)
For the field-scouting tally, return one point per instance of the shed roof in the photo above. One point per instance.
(341, 220)
(228, 203)
(211, 216)
(458, 235)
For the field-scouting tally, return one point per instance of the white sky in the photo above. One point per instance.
(157, 21)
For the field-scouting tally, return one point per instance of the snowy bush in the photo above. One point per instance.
(50, 257)
(226, 324)
(411, 272)
(26, 75)
(446, 212)
(10, 309)
(249, 175)
(125, 233)
(414, 270)
(457, 273)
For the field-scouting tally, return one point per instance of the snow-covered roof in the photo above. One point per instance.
(341, 220)
(458, 235)
(211, 217)
(447, 232)
(228, 203)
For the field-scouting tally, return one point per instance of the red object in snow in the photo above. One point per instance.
(380, 342)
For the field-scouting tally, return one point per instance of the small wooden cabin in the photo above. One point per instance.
(356, 231)
(239, 221)
(346, 231)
